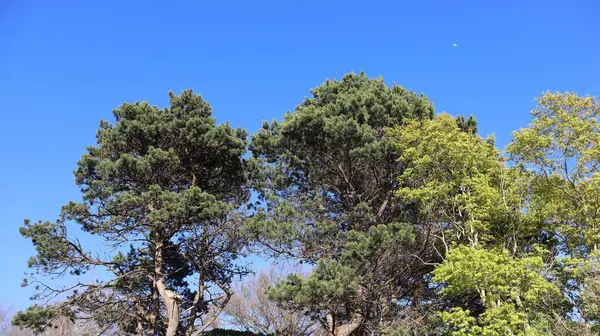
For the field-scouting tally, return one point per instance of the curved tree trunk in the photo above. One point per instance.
(348, 328)
(168, 296)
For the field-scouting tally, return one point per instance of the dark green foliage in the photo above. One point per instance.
(344, 283)
(330, 163)
(467, 125)
(326, 178)
(334, 147)
(36, 318)
(413, 223)
(162, 187)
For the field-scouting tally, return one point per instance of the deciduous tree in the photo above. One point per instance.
(561, 147)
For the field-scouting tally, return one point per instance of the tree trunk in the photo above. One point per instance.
(169, 297)
(330, 323)
(140, 327)
(198, 299)
(154, 313)
(348, 328)
(343, 329)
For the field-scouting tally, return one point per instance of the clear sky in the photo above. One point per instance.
(66, 64)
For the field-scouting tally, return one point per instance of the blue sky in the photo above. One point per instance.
(66, 64)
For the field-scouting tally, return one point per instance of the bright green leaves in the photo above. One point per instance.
(453, 176)
(565, 126)
(494, 276)
(458, 322)
(461, 183)
(581, 278)
(554, 204)
(443, 161)
(513, 291)
(562, 146)
(497, 321)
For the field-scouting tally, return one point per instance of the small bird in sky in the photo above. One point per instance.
(454, 45)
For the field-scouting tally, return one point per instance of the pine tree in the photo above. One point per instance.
(326, 178)
(162, 188)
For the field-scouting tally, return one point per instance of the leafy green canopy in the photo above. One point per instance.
(513, 291)
(329, 166)
(413, 223)
(468, 201)
(326, 178)
(353, 277)
(462, 186)
(561, 147)
(529, 263)
(161, 186)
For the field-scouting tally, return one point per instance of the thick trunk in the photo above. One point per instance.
(140, 327)
(142, 315)
(169, 297)
(154, 312)
(343, 329)
(348, 328)
(198, 299)
(356, 319)
(216, 314)
(330, 323)
(199, 295)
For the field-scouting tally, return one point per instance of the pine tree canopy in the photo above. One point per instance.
(410, 222)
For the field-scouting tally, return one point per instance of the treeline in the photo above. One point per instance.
(412, 223)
